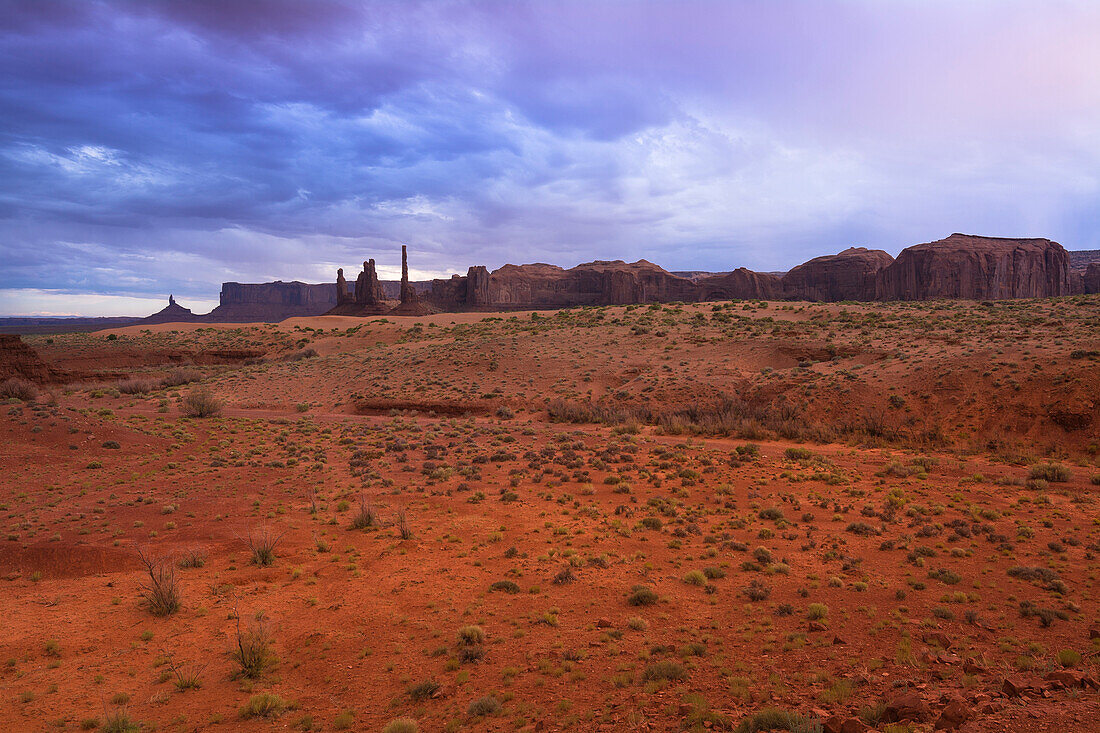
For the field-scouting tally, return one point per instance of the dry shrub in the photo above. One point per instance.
(161, 593)
(18, 389)
(201, 403)
(253, 654)
(181, 376)
(135, 386)
(262, 544)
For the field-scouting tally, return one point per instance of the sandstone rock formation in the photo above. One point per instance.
(410, 304)
(17, 360)
(977, 268)
(367, 300)
(275, 301)
(850, 275)
(1091, 278)
(173, 313)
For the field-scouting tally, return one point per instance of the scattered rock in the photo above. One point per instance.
(906, 706)
(954, 714)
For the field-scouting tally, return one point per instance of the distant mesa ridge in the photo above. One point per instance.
(963, 266)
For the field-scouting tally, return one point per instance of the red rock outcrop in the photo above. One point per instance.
(410, 304)
(1090, 280)
(977, 268)
(850, 275)
(22, 362)
(741, 284)
(173, 313)
(367, 299)
(275, 301)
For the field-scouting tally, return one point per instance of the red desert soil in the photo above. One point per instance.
(625, 518)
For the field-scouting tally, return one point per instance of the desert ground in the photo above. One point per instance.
(721, 516)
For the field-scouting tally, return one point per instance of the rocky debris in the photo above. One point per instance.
(850, 275)
(1016, 687)
(906, 706)
(937, 638)
(1072, 679)
(839, 724)
(19, 361)
(977, 268)
(954, 713)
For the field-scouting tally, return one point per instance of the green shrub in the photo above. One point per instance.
(1049, 471)
(665, 669)
(642, 595)
(264, 705)
(487, 705)
(401, 725)
(817, 611)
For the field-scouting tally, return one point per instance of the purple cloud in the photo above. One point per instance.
(258, 140)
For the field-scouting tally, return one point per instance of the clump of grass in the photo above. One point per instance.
(665, 669)
(403, 528)
(118, 722)
(817, 611)
(18, 389)
(487, 705)
(1049, 471)
(367, 516)
(642, 595)
(401, 725)
(178, 377)
(161, 593)
(264, 705)
(253, 654)
(194, 558)
(423, 690)
(770, 719)
(201, 402)
(505, 586)
(695, 577)
(262, 543)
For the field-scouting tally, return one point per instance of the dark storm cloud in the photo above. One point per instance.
(148, 147)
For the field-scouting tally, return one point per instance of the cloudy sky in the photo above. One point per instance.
(153, 147)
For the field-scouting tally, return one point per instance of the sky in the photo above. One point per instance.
(155, 147)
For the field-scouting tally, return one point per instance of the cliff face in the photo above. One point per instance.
(21, 361)
(850, 275)
(741, 284)
(977, 268)
(275, 301)
(1091, 278)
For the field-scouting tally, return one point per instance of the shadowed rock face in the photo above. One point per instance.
(977, 268)
(173, 313)
(850, 275)
(21, 361)
(1091, 278)
(245, 302)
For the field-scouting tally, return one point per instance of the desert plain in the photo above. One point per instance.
(742, 515)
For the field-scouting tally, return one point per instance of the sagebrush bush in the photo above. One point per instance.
(179, 377)
(135, 386)
(201, 403)
(18, 389)
(1049, 471)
